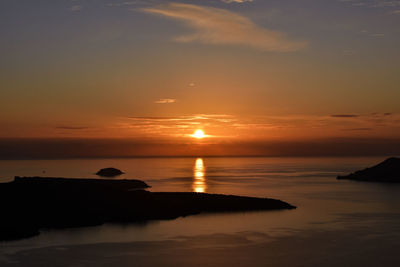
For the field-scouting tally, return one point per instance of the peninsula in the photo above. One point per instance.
(34, 203)
(387, 171)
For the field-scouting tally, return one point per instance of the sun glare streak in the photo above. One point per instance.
(199, 181)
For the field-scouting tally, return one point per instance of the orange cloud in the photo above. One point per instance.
(219, 26)
(165, 101)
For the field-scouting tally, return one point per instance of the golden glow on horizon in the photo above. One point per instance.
(199, 181)
(199, 134)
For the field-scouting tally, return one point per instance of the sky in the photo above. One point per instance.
(260, 77)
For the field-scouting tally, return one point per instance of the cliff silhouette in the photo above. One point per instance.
(387, 171)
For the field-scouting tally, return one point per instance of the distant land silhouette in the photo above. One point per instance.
(109, 172)
(34, 203)
(387, 171)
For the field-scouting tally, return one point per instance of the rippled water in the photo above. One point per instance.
(337, 222)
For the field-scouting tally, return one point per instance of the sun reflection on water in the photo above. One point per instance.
(199, 181)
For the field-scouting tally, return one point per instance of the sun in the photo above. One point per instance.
(199, 134)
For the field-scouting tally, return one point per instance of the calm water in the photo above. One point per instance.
(337, 223)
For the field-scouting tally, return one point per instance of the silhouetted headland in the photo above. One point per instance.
(387, 171)
(33, 203)
(109, 172)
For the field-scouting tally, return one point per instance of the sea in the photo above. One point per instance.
(336, 222)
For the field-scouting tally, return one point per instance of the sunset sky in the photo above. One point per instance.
(245, 72)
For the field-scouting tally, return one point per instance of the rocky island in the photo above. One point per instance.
(109, 172)
(387, 171)
(30, 204)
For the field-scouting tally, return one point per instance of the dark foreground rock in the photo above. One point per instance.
(31, 204)
(109, 172)
(387, 171)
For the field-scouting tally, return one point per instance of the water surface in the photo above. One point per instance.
(337, 222)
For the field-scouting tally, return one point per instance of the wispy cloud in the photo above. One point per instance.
(76, 8)
(187, 119)
(175, 125)
(229, 126)
(165, 101)
(236, 1)
(385, 3)
(226, 128)
(344, 116)
(373, 3)
(63, 127)
(152, 2)
(372, 34)
(377, 35)
(358, 129)
(218, 26)
(126, 3)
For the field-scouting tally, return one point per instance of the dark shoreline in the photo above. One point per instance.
(388, 171)
(34, 203)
